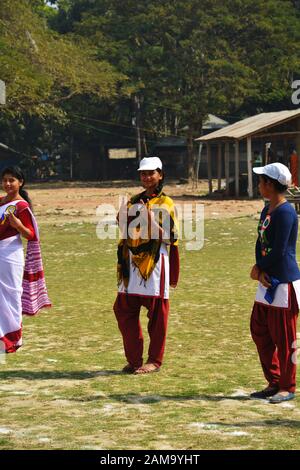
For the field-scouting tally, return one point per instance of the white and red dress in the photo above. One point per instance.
(22, 283)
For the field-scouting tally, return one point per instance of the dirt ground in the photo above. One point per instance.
(77, 201)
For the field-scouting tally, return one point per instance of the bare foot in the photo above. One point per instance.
(283, 393)
(147, 369)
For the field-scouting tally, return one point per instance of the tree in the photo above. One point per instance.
(186, 58)
(170, 63)
(41, 69)
(49, 78)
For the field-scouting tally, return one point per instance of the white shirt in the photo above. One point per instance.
(151, 287)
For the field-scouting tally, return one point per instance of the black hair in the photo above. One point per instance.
(280, 188)
(16, 172)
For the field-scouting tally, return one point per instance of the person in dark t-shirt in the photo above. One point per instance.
(275, 310)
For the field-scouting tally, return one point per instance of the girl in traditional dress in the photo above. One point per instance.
(144, 269)
(21, 290)
(275, 310)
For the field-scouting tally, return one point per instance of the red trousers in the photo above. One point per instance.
(127, 310)
(274, 332)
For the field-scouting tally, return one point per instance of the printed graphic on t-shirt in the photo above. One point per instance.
(262, 226)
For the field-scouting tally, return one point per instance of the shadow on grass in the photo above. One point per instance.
(131, 398)
(51, 375)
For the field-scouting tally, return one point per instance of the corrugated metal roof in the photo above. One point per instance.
(251, 125)
(214, 122)
(211, 122)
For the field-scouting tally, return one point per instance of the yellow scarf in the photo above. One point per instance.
(146, 251)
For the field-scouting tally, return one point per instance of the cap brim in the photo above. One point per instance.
(259, 170)
(148, 169)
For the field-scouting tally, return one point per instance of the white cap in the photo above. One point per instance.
(150, 163)
(276, 171)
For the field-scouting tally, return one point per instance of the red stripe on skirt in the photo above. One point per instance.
(31, 277)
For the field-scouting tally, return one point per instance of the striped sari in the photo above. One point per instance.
(22, 290)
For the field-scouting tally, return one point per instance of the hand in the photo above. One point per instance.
(14, 222)
(148, 220)
(146, 213)
(264, 280)
(255, 272)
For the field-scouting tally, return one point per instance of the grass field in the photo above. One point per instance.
(63, 388)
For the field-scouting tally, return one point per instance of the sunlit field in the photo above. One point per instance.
(63, 389)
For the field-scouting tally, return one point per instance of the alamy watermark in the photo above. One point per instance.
(296, 94)
(2, 92)
(158, 221)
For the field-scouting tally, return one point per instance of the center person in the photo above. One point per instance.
(148, 226)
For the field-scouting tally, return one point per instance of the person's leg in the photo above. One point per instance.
(266, 347)
(158, 310)
(157, 329)
(283, 330)
(127, 311)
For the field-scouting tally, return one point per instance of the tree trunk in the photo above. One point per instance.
(191, 150)
(190, 155)
(141, 146)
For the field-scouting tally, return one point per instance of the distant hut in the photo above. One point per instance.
(234, 146)
(173, 150)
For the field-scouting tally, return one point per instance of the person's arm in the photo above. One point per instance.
(283, 225)
(262, 217)
(23, 224)
(258, 254)
(255, 272)
(174, 265)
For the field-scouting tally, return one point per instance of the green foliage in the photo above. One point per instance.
(42, 69)
(182, 59)
(187, 58)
